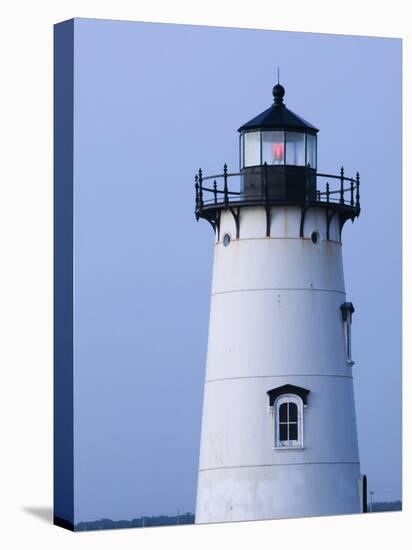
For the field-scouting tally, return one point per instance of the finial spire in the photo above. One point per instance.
(278, 92)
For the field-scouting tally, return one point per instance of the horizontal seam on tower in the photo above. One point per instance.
(278, 464)
(276, 376)
(283, 289)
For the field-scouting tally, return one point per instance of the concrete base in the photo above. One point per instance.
(275, 492)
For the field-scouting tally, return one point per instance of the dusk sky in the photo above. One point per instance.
(153, 103)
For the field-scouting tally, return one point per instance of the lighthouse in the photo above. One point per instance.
(278, 437)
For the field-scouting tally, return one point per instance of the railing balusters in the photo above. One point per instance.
(225, 196)
(341, 186)
(197, 191)
(197, 198)
(222, 198)
(200, 189)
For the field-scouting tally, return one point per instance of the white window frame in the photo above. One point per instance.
(347, 331)
(291, 444)
(348, 341)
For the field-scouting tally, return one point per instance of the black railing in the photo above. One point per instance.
(347, 193)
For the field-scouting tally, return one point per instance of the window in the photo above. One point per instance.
(288, 421)
(347, 310)
(273, 147)
(277, 148)
(287, 404)
(252, 148)
(315, 237)
(311, 150)
(295, 148)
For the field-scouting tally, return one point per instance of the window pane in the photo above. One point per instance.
(293, 432)
(273, 147)
(283, 411)
(283, 432)
(293, 412)
(241, 151)
(295, 148)
(311, 150)
(252, 148)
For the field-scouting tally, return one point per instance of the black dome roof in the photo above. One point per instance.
(278, 116)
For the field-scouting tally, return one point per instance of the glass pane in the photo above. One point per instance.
(241, 151)
(311, 150)
(293, 412)
(293, 432)
(283, 432)
(295, 148)
(273, 148)
(252, 148)
(283, 411)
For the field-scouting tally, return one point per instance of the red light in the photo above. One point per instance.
(278, 151)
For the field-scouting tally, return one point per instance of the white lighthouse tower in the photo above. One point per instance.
(279, 433)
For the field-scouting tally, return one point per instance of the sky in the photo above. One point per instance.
(152, 104)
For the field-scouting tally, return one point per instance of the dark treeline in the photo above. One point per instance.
(394, 506)
(146, 521)
(185, 519)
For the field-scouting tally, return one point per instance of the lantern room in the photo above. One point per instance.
(278, 149)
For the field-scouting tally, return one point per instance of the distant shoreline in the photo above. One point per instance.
(143, 521)
(188, 519)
